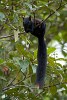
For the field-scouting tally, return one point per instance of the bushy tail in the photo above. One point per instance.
(42, 62)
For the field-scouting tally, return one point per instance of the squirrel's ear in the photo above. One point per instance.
(30, 18)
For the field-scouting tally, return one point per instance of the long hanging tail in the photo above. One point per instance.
(42, 62)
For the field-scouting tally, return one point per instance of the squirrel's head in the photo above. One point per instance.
(27, 23)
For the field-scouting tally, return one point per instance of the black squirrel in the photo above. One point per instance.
(36, 28)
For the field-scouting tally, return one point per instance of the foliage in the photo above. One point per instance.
(18, 53)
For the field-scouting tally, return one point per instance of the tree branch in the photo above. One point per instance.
(14, 85)
(14, 78)
(46, 87)
(60, 6)
(9, 35)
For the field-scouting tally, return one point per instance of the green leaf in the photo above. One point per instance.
(33, 78)
(16, 35)
(29, 5)
(31, 95)
(12, 91)
(35, 54)
(30, 69)
(51, 61)
(11, 65)
(2, 16)
(21, 50)
(1, 61)
(54, 9)
(3, 78)
(24, 64)
(63, 59)
(53, 90)
(51, 50)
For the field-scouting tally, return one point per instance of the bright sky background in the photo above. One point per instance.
(58, 52)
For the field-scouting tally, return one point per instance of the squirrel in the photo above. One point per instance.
(37, 28)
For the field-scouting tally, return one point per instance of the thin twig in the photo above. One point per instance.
(38, 24)
(46, 87)
(9, 36)
(13, 79)
(14, 85)
(54, 12)
(60, 6)
(23, 79)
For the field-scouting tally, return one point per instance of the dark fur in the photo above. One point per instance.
(32, 26)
